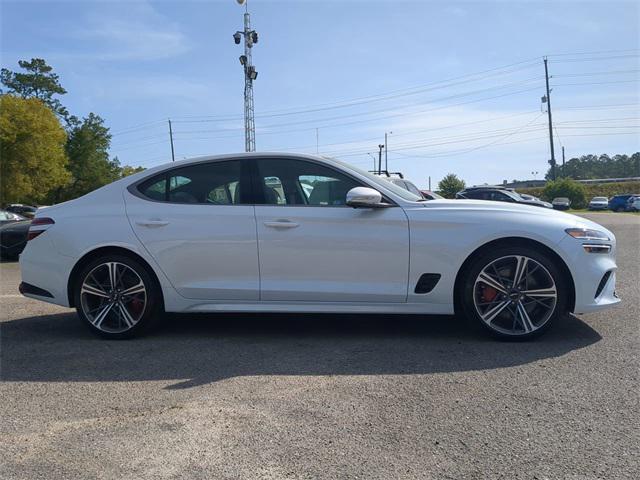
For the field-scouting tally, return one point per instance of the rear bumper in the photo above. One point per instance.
(43, 267)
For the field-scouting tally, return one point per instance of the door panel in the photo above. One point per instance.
(333, 254)
(207, 245)
(314, 248)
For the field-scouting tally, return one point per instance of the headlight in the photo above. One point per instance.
(587, 234)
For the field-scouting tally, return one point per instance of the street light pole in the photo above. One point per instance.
(374, 161)
(386, 149)
(250, 74)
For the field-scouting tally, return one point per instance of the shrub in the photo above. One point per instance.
(592, 190)
(565, 187)
(450, 185)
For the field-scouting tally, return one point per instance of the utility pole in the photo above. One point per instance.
(552, 162)
(386, 148)
(429, 182)
(250, 74)
(173, 153)
(563, 160)
(380, 147)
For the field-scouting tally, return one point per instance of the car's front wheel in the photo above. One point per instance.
(116, 297)
(515, 293)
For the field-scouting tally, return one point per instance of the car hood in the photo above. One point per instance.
(507, 210)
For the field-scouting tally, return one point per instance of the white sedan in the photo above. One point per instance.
(300, 233)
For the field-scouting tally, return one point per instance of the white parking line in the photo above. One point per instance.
(12, 296)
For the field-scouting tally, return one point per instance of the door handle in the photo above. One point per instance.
(152, 223)
(281, 224)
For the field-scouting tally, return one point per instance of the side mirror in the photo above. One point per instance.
(364, 197)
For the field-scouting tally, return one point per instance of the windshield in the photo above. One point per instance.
(600, 199)
(514, 195)
(399, 191)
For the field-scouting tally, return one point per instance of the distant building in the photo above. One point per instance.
(524, 184)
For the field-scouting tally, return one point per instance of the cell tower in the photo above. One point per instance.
(250, 74)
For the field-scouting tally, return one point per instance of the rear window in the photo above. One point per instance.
(216, 183)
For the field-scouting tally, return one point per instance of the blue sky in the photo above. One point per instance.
(458, 83)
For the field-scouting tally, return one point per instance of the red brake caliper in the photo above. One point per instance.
(488, 293)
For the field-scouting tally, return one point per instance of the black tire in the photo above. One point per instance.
(468, 292)
(146, 317)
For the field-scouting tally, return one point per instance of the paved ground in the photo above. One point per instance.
(322, 396)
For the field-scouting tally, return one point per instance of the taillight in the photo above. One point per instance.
(38, 222)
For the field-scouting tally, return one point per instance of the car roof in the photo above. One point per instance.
(487, 187)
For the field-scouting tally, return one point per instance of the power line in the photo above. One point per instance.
(590, 74)
(593, 53)
(591, 59)
(384, 96)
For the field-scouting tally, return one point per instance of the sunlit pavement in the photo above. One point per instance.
(313, 396)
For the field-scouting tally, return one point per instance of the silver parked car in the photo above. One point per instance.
(561, 203)
(599, 203)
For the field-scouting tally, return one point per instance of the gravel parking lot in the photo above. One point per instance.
(312, 396)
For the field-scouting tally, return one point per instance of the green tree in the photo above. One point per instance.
(89, 163)
(602, 166)
(565, 187)
(88, 139)
(32, 155)
(450, 185)
(38, 81)
(127, 170)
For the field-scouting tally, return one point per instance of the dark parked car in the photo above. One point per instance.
(13, 238)
(618, 203)
(497, 194)
(9, 217)
(561, 203)
(24, 210)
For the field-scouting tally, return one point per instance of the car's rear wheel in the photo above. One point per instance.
(515, 293)
(116, 297)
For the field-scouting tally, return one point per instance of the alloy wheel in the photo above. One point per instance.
(515, 295)
(113, 297)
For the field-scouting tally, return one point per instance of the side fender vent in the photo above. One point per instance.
(427, 282)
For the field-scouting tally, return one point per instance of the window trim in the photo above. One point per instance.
(258, 194)
(245, 177)
(250, 176)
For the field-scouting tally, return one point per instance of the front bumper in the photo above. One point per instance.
(593, 291)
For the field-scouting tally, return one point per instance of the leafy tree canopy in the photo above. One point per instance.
(88, 152)
(602, 166)
(450, 185)
(32, 155)
(87, 139)
(38, 81)
(128, 170)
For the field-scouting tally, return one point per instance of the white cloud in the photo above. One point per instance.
(131, 31)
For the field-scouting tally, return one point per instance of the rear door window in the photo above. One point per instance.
(214, 183)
